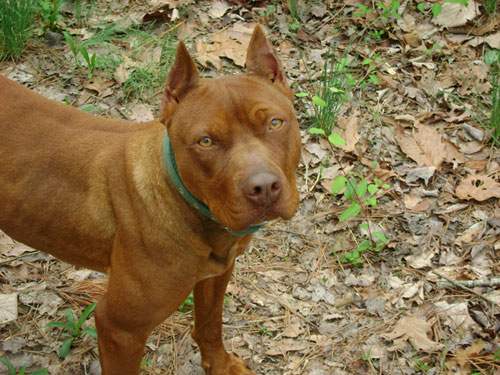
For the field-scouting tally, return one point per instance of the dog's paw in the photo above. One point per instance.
(232, 365)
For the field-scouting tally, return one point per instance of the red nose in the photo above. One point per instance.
(262, 189)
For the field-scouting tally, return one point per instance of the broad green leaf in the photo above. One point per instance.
(336, 140)
(56, 325)
(318, 101)
(386, 186)
(316, 131)
(349, 191)
(301, 94)
(336, 90)
(373, 79)
(371, 201)
(380, 237)
(352, 211)
(461, 2)
(91, 331)
(372, 188)
(363, 226)
(7, 363)
(421, 7)
(65, 348)
(352, 257)
(436, 9)
(361, 188)
(491, 57)
(86, 313)
(40, 372)
(363, 246)
(338, 184)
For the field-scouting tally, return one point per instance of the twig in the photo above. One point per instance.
(19, 257)
(461, 286)
(495, 281)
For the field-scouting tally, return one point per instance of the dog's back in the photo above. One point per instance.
(54, 161)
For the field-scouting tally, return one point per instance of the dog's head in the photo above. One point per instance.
(236, 138)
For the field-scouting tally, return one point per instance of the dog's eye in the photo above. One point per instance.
(205, 141)
(276, 123)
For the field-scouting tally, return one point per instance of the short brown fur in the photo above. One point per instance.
(95, 192)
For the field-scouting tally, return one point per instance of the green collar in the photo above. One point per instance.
(202, 208)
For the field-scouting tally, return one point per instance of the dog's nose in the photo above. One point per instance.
(263, 188)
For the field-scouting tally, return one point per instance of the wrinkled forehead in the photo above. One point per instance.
(234, 97)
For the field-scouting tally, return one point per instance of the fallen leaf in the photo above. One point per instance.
(230, 43)
(8, 307)
(286, 345)
(141, 112)
(460, 363)
(478, 187)
(349, 126)
(473, 233)
(413, 329)
(455, 315)
(421, 260)
(427, 147)
(218, 9)
(455, 14)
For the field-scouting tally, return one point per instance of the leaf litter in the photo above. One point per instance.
(293, 307)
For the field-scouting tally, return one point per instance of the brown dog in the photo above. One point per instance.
(162, 214)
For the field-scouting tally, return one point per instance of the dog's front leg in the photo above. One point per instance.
(142, 293)
(207, 332)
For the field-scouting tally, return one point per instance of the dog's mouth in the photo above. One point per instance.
(253, 216)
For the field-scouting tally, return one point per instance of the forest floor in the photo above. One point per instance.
(407, 87)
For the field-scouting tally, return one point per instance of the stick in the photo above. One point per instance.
(458, 285)
(494, 281)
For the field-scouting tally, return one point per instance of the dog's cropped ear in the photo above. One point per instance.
(182, 77)
(262, 61)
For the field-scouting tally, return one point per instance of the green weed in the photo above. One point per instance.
(422, 366)
(83, 9)
(11, 370)
(144, 81)
(359, 194)
(492, 58)
(16, 21)
(187, 304)
(490, 6)
(50, 12)
(139, 82)
(73, 328)
(293, 7)
(335, 86)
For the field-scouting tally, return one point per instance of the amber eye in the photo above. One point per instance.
(205, 141)
(276, 123)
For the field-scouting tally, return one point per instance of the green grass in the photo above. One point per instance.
(492, 58)
(335, 83)
(16, 21)
(495, 105)
(144, 82)
(490, 6)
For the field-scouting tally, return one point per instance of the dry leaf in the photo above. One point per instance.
(454, 14)
(478, 187)
(286, 345)
(141, 112)
(427, 147)
(460, 364)
(218, 9)
(414, 330)
(8, 307)
(230, 43)
(350, 133)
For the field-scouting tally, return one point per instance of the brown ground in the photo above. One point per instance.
(293, 306)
